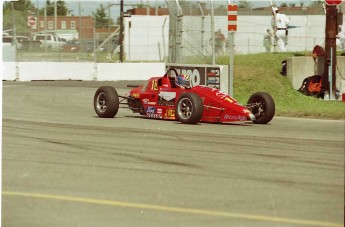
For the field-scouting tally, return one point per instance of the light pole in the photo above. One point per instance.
(14, 41)
(109, 24)
(202, 27)
(212, 34)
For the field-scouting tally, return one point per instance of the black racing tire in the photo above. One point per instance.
(262, 107)
(189, 108)
(106, 102)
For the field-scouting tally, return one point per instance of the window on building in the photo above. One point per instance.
(72, 24)
(41, 24)
(63, 24)
(50, 25)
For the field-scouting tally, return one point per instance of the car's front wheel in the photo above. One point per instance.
(189, 108)
(262, 107)
(106, 102)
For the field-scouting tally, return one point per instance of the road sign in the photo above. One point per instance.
(232, 17)
(333, 2)
(31, 21)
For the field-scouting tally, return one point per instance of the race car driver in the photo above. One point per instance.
(183, 81)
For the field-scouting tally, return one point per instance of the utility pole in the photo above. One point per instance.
(121, 31)
(38, 17)
(80, 28)
(109, 43)
(55, 15)
(45, 27)
(329, 76)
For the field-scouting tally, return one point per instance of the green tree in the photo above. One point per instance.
(20, 22)
(101, 17)
(316, 4)
(244, 4)
(140, 5)
(19, 14)
(62, 10)
(24, 6)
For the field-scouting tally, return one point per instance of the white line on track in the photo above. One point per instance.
(170, 209)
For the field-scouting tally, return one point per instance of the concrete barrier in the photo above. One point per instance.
(8, 70)
(55, 71)
(301, 67)
(129, 71)
(27, 71)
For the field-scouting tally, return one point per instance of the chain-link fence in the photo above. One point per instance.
(57, 38)
(191, 30)
(185, 35)
(49, 47)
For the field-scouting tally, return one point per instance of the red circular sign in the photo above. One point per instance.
(31, 21)
(333, 2)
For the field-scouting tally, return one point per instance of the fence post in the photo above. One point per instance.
(232, 28)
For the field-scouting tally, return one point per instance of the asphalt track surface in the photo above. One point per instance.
(64, 166)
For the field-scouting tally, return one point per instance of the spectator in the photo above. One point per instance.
(219, 39)
(341, 37)
(268, 40)
(280, 24)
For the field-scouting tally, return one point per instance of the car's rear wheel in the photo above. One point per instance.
(189, 108)
(106, 102)
(262, 107)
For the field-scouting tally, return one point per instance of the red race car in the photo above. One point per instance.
(172, 97)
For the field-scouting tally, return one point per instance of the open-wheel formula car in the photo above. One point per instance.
(172, 97)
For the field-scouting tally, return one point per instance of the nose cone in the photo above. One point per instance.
(252, 117)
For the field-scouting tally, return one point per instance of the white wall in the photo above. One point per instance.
(27, 71)
(8, 70)
(309, 31)
(55, 71)
(147, 31)
(146, 34)
(129, 71)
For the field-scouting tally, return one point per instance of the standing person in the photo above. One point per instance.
(268, 40)
(219, 42)
(341, 37)
(280, 23)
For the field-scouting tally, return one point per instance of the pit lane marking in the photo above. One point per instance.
(170, 209)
